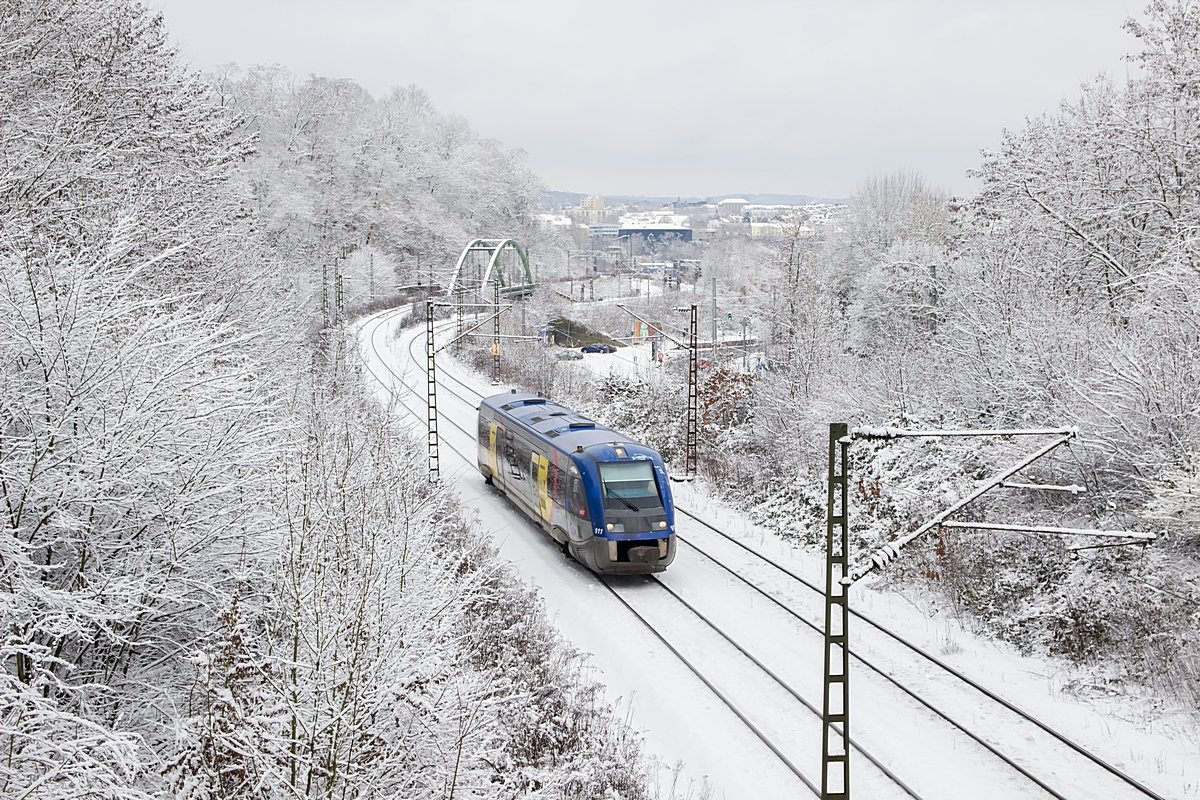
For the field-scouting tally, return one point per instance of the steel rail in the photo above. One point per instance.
(403, 385)
(953, 722)
(720, 695)
(928, 656)
(786, 686)
(983, 690)
(692, 667)
(908, 790)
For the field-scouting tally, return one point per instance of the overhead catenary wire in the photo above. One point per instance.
(896, 637)
(695, 670)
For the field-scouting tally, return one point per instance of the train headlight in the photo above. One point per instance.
(662, 523)
(610, 526)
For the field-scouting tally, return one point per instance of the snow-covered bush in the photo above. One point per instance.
(221, 573)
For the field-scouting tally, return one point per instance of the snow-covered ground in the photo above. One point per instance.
(632, 362)
(683, 720)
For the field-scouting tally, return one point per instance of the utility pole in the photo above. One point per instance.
(324, 295)
(371, 278)
(496, 340)
(431, 394)
(714, 317)
(745, 344)
(458, 315)
(339, 306)
(693, 409)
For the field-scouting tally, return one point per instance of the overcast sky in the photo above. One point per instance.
(697, 98)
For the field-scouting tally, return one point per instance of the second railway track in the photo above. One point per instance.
(1069, 771)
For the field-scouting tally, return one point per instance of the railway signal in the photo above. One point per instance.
(840, 576)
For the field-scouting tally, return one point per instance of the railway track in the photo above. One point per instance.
(629, 594)
(1024, 716)
(623, 591)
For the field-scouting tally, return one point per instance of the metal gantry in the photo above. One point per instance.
(840, 576)
(431, 394)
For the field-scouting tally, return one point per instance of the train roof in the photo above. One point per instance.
(557, 424)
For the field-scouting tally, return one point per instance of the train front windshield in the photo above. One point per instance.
(629, 485)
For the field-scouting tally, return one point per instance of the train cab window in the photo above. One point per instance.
(629, 485)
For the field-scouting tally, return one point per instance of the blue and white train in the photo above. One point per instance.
(602, 496)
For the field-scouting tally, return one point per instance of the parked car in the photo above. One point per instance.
(598, 348)
(570, 355)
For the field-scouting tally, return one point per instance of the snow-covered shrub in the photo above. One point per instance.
(221, 573)
(393, 654)
(137, 371)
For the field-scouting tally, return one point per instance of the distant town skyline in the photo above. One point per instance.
(628, 99)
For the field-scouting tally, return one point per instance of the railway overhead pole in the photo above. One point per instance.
(692, 438)
(840, 575)
(496, 340)
(431, 395)
(693, 408)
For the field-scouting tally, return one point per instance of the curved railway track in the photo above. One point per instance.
(620, 591)
(690, 663)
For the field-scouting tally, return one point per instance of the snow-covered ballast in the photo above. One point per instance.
(602, 496)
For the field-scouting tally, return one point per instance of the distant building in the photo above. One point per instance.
(766, 230)
(684, 234)
(733, 207)
(656, 225)
(765, 213)
(603, 231)
(547, 222)
(591, 210)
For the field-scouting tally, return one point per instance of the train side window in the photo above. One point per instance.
(510, 455)
(522, 455)
(578, 499)
(485, 430)
(560, 484)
